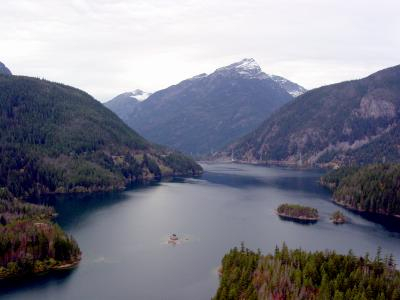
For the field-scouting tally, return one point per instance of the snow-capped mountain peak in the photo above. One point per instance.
(139, 95)
(247, 67)
(247, 64)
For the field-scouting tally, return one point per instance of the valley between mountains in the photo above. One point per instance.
(200, 115)
(58, 144)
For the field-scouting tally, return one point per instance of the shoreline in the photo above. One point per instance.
(338, 222)
(292, 166)
(282, 164)
(66, 266)
(351, 208)
(104, 190)
(303, 219)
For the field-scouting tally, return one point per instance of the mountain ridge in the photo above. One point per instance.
(201, 114)
(354, 121)
(4, 70)
(124, 104)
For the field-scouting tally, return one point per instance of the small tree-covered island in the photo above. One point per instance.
(372, 188)
(298, 213)
(298, 274)
(338, 218)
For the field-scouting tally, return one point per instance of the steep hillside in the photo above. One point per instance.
(4, 70)
(350, 122)
(204, 113)
(292, 88)
(55, 138)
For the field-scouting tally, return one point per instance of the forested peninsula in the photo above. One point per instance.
(373, 188)
(30, 243)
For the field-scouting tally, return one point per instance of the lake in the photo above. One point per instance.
(123, 236)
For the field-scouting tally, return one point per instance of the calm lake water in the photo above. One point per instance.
(123, 235)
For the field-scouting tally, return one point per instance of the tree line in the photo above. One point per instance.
(29, 242)
(298, 274)
(374, 188)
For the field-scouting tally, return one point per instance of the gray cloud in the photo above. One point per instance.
(106, 47)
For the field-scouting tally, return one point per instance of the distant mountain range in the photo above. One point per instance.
(4, 70)
(350, 122)
(125, 104)
(204, 113)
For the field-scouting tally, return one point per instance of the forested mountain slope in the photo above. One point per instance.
(350, 122)
(55, 138)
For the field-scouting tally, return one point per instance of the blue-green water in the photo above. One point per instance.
(123, 235)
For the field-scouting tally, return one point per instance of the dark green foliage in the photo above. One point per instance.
(383, 149)
(237, 271)
(30, 243)
(152, 166)
(12, 209)
(297, 211)
(57, 139)
(63, 247)
(332, 179)
(181, 164)
(297, 274)
(373, 188)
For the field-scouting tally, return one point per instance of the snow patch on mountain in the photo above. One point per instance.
(248, 64)
(250, 69)
(247, 67)
(292, 88)
(296, 93)
(139, 95)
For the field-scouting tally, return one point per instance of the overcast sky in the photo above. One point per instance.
(106, 47)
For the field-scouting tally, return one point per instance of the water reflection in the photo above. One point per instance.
(56, 280)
